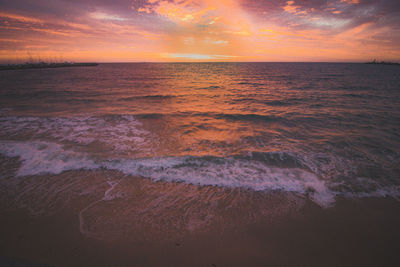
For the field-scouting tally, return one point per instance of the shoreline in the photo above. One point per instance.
(355, 232)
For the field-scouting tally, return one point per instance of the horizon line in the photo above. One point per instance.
(176, 62)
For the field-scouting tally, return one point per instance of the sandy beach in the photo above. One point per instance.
(354, 232)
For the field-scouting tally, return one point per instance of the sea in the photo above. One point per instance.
(185, 144)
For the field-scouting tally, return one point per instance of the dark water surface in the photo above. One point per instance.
(316, 130)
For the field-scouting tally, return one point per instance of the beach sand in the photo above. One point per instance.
(354, 232)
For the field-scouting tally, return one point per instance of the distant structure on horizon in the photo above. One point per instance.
(44, 65)
(382, 62)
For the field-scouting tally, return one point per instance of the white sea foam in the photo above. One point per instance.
(38, 157)
(228, 172)
(121, 133)
(45, 157)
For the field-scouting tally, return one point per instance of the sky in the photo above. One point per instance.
(199, 30)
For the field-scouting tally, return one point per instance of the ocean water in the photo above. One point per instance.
(318, 131)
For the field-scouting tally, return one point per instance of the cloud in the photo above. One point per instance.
(197, 56)
(294, 9)
(351, 1)
(105, 16)
(202, 29)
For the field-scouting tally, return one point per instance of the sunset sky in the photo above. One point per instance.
(199, 30)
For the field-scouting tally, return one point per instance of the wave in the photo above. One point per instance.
(11, 122)
(117, 132)
(155, 97)
(277, 103)
(364, 95)
(247, 117)
(255, 84)
(211, 87)
(258, 171)
(228, 172)
(45, 157)
(54, 94)
(215, 115)
(254, 171)
(283, 102)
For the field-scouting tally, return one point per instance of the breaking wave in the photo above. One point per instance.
(256, 171)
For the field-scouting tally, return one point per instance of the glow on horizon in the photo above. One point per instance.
(198, 56)
(200, 30)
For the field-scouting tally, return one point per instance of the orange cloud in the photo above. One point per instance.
(294, 9)
(201, 30)
(20, 18)
(350, 1)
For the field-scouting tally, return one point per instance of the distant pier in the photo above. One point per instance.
(382, 63)
(44, 65)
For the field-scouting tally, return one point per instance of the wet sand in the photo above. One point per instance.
(355, 232)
